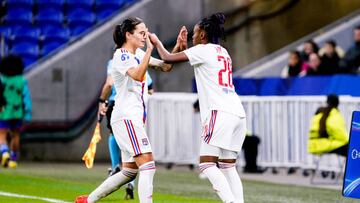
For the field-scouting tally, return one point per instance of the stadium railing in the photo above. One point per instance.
(282, 123)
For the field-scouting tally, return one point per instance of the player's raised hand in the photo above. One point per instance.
(182, 38)
(149, 44)
(153, 38)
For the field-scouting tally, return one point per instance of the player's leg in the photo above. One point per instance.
(4, 148)
(146, 175)
(227, 159)
(14, 148)
(114, 182)
(227, 165)
(208, 159)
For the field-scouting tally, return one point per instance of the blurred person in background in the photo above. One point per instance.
(309, 47)
(327, 130)
(330, 59)
(17, 110)
(314, 66)
(295, 65)
(222, 114)
(351, 61)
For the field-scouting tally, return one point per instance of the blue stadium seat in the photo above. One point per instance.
(80, 4)
(77, 30)
(26, 34)
(49, 47)
(109, 4)
(50, 16)
(80, 20)
(20, 17)
(104, 14)
(16, 4)
(50, 4)
(6, 33)
(59, 35)
(28, 51)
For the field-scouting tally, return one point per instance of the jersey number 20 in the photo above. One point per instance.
(225, 72)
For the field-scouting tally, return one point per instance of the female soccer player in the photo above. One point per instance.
(222, 114)
(129, 66)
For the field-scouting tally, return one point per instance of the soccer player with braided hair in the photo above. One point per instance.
(222, 114)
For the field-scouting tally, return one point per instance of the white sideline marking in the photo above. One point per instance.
(31, 197)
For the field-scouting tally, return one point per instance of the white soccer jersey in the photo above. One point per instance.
(213, 74)
(130, 94)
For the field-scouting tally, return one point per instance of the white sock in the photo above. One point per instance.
(232, 176)
(145, 184)
(112, 183)
(218, 181)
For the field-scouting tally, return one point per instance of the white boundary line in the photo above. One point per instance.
(8, 194)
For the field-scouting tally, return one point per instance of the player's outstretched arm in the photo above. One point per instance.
(181, 44)
(164, 54)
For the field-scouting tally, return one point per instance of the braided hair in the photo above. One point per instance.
(128, 25)
(214, 27)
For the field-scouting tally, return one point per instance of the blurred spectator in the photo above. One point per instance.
(351, 60)
(309, 47)
(327, 130)
(17, 109)
(330, 59)
(314, 66)
(340, 52)
(295, 65)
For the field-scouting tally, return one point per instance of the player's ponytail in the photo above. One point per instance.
(128, 25)
(214, 27)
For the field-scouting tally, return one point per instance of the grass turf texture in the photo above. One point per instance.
(180, 185)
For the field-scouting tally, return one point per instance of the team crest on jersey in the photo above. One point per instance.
(145, 141)
(125, 57)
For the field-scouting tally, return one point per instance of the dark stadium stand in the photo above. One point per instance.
(35, 28)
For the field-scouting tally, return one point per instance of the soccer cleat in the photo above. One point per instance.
(129, 191)
(114, 171)
(12, 164)
(81, 199)
(5, 159)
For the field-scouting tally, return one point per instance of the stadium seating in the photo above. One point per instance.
(26, 34)
(40, 26)
(28, 51)
(50, 4)
(25, 4)
(50, 16)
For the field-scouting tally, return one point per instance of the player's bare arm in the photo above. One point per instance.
(181, 44)
(105, 93)
(139, 72)
(164, 54)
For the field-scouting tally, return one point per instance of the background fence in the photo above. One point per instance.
(282, 123)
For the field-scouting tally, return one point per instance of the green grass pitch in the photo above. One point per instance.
(180, 185)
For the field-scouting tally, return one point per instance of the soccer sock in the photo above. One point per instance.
(112, 183)
(218, 181)
(232, 176)
(13, 156)
(4, 148)
(145, 184)
(114, 151)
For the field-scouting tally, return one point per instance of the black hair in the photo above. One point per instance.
(332, 43)
(296, 53)
(314, 45)
(214, 27)
(128, 25)
(11, 65)
(332, 102)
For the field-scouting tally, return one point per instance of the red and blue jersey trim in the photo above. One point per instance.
(211, 126)
(132, 136)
